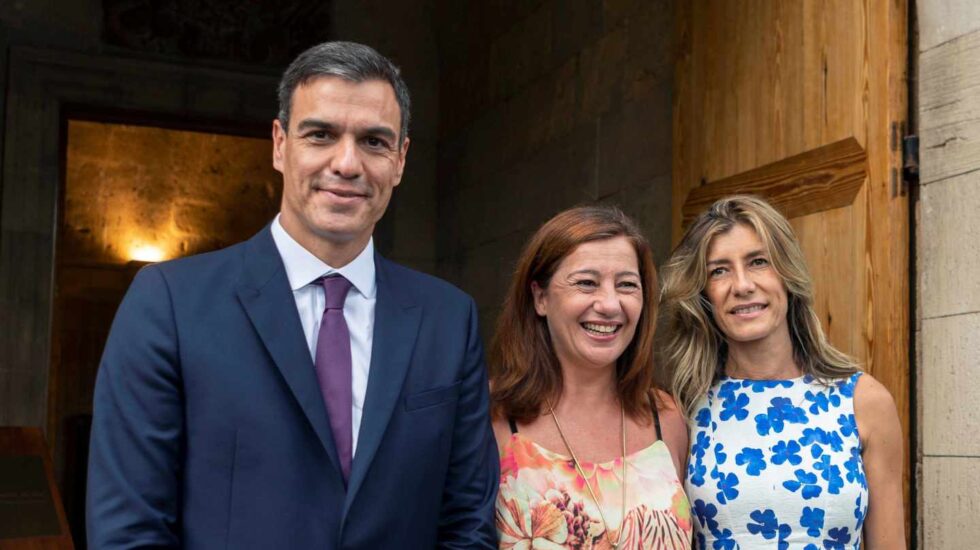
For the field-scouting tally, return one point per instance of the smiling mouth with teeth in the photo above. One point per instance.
(600, 329)
(748, 309)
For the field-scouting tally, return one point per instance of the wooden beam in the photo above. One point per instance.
(813, 181)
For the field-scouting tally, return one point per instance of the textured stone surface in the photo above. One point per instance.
(949, 107)
(950, 506)
(632, 146)
(184, 192)
(947, 258)
(949, 392)
(942, 20)
(578, 111)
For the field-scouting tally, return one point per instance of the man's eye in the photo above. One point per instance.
(376, 143)
(318, 135)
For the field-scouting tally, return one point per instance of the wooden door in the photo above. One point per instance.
(804, 102)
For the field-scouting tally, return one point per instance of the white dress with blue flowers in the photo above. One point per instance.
(777, 464)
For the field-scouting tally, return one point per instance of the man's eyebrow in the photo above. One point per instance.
(314, 124)
(317, 124)
(381, 131)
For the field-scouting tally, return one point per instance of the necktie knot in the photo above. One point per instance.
(335, 288)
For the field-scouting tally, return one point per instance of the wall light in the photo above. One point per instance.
(146, 253)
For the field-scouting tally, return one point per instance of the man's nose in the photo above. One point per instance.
(346, 160)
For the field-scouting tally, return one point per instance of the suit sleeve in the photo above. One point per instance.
(134, 468)
(467, 518)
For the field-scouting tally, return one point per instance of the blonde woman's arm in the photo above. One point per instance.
(883, 454)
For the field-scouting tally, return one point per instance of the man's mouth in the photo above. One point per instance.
(343, 193)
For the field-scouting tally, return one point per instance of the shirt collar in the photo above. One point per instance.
(302, 267)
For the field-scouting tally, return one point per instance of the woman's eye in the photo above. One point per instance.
(586, 283)
(716, 272)
(759, 262)
(629, 285)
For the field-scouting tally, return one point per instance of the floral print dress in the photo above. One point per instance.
(543, 501)
(777, 464)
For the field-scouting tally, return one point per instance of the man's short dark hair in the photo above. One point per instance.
(350, 61)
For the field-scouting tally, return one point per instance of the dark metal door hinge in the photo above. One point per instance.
(910, 162)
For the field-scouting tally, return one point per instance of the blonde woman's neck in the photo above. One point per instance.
(767, 359)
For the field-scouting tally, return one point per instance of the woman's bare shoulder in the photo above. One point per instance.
(872, 398)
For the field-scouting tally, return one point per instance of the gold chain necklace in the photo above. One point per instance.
(578, 468)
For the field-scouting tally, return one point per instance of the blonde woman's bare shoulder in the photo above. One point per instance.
(872, 397)
(875, 410)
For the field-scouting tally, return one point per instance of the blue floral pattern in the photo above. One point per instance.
(777, 464)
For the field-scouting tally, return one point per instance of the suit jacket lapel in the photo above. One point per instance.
(396, 324)
(265, 294)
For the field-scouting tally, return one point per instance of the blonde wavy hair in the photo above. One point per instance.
(694, 349)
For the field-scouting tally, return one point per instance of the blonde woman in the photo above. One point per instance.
(792, 446)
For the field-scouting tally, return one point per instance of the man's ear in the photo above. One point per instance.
(402, 155)
(278, 145)
(540, 299)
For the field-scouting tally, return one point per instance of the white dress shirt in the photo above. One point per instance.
(302, 270)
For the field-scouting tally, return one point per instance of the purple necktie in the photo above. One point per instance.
(333, 368)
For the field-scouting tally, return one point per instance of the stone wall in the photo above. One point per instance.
(546, 105)
(948, 313)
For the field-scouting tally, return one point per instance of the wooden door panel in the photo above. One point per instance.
(761, 84)
(832, 243)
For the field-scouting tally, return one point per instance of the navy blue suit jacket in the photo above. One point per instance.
(209, 429)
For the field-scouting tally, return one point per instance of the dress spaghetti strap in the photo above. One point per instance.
(656, 418)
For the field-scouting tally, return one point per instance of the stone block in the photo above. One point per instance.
(575, 24)
(635, 143)
(650, 52)
(949, 105)
(951, 502)
(487, 269)
(601, 73)
(940, 21)
(563, 100)
(649, 205)
(521, 54)
(947, 259)
(949, 394)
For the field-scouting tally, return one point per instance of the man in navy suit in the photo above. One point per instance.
(298, 390)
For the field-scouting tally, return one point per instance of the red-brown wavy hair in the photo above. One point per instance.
(524, 371)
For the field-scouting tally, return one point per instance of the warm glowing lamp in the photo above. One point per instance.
(146, 253)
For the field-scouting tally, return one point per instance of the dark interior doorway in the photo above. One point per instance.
(134, 193)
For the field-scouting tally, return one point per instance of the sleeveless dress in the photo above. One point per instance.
(777, 464)
(543, 501)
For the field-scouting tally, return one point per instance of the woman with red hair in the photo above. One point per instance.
(592, 454)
